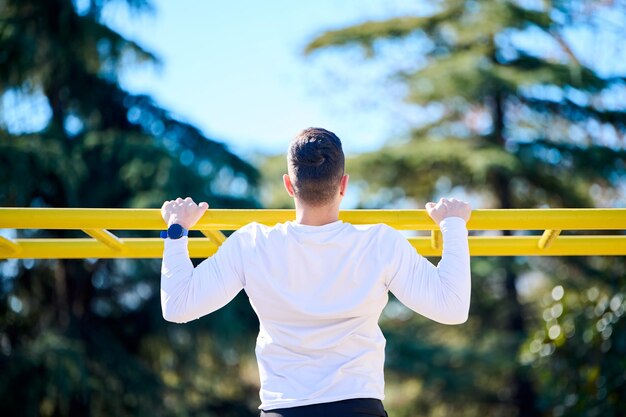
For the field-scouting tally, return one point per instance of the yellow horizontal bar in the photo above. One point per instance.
(81, 218)
(527, 246)
(227, 219)
(106, 237)
(202, 248)
(89, 248)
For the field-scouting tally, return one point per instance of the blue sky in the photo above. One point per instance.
(237, 71)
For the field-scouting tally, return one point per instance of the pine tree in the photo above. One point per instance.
(86, 337)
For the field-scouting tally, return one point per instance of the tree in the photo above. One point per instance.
(520, 119)
(85, 337)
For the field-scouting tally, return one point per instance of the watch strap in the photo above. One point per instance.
(175, 231)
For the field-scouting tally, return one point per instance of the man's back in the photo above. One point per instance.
(296, 273)
(318, 292)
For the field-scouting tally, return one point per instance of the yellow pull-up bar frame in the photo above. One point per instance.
(98, 223)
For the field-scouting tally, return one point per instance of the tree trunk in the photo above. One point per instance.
(523, 394)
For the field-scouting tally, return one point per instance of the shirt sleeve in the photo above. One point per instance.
(188, 293)
(440, 293)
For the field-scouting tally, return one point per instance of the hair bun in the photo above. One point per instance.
(313, 156)
(316, 160)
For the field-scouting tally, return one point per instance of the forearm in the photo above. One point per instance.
(442, 292)
(454, 271)
(176, 278)
(188, 293)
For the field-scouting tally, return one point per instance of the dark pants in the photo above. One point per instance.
(359, 407)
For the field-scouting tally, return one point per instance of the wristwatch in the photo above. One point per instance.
(175, 231)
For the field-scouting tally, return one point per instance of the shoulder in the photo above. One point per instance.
(254, 231)
(380, 229)
(249, 231)
(380, 234)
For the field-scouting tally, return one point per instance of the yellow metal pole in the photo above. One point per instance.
(547, 238)
(106, 237)
(90, 248)
(79, 218)
(202, 248)
(220, 219)
(436, 239)
(527, 246)
(9, 245)
(215, 235)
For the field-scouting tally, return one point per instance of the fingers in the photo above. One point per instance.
(180, 200)
(183, 211)
(448, 208)
(432, 205)
(184, 202)
(445, 202)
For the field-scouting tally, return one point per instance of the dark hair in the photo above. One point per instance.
(316, 165)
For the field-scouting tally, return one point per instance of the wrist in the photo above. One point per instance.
(175, 231)
(176, 220)
(452, 223)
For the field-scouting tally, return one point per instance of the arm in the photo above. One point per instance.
(442, 292)
(188, 293)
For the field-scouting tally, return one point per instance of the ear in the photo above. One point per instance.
(288, 185)
(343, 185)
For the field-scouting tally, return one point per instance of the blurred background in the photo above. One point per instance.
(127, 103)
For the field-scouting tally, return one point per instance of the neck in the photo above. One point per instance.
(316, 216)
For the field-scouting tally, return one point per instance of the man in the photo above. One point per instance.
(318, 286)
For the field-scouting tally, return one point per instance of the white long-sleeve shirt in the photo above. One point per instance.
(318, 292)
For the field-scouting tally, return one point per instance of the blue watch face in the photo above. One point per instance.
(175, 231)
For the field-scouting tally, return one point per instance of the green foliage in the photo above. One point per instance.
(86, 337)
(273, 194)
(579, 355)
